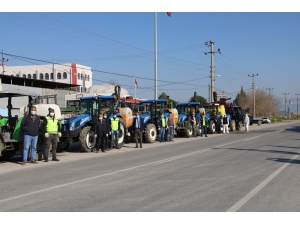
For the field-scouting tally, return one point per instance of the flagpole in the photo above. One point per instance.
(155, 55)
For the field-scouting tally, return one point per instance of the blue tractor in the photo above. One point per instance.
(149, 111)
(184, 127)
(80, 128)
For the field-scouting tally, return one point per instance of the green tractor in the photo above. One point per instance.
(10, 140)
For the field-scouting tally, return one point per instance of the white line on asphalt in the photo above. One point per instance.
(244, 200)
(119, 171)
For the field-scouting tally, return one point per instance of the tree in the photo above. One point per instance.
(241, 98)
(199, 98)
(165, 96)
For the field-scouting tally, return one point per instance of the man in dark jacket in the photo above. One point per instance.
(106, 137)
(138, 127)
(30, 128)
(219, 122)
(100, 131)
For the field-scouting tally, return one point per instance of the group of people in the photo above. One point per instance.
(31, 126)
(103, 127)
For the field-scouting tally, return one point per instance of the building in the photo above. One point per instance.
(69, 73)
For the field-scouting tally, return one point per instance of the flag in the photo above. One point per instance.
(135, 82)
(169, 14)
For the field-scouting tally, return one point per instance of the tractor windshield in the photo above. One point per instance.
(87, 106)
(106, 106)
(73, 103)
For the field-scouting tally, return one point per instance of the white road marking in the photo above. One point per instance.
(245, 199)
(120, 171)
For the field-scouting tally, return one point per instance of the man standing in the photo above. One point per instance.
(100, 131)
(170, 126)
(225, 125)
(52, 134)
(204, 125)
(138, 124)
(106, 137)
(195, 123)
(30, 128)
(161, 125)
(246, 122)
(114, 127)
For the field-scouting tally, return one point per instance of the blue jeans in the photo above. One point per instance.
(29, 141)
(161, 135)
(170, 133)
(204, 130)
(114, 138)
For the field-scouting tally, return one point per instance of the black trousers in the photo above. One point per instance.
(51, 142)
(138, 134)
(100, 141)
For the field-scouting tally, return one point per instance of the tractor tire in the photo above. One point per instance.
(63, 145)
(122, 133)
(238, 127)
(87, 139)
(199, 131)
(7, 154)
(188, 132)
(232, 125)
(179, 133)
(150, 133)
(212, 127)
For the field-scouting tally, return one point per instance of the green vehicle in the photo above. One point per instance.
(10, 139)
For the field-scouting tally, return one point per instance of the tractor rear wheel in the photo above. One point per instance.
(232, 125)
(212, 127)
(87, 139)
(188, 132)
(121, 135)
(150, 133)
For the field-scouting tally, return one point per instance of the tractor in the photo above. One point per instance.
(234, 114)
(149, 111)
(80, 127)
(184, 127)
(11, 138)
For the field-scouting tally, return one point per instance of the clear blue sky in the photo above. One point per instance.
(263, 43)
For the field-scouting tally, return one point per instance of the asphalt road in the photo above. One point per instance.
(255, 171)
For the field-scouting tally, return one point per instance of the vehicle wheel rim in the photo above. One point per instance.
(90, 139)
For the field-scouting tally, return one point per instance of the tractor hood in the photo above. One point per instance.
(77, 121)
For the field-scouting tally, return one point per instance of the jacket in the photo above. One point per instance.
(192, 120)
(30, 126)
(110, 123)
(46, 122)
(159, 123)
(142, 126)
(225, 120)
(167, 121)
(206, 121)
(100, 128)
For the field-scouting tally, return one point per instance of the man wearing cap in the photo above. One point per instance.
(114, 127)
(52, 134)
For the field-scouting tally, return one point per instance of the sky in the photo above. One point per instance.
(117, 41)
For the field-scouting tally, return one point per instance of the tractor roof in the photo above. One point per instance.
(153, 101)
(16, 93)
(188, 103)
(98, 97)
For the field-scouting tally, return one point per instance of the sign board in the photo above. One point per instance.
(222, 94)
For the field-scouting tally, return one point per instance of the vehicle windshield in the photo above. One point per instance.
(106, 106)
(187, 109)
(73, 103)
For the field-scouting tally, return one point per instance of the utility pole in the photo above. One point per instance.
(253, 88)
(290, 111)
(297, 103)
(2, 63)
(208, 93)
(212, 71)
(269, 89)
(285, 94)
